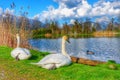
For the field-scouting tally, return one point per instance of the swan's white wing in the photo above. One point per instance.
(26, 51)
(53, 58)
(23, 53)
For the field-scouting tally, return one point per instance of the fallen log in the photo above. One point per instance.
(86, 61)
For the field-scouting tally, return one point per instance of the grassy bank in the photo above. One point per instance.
(53, 36)
(23, 70)
(82, 35)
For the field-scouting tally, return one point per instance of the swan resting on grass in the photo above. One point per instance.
(20, 53)
(53, 61)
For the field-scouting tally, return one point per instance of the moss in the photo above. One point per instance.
(111, 61)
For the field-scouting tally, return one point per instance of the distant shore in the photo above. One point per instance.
(82, 35)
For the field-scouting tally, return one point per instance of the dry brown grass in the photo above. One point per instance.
(8, 33)
(104, 34)
(48, 35)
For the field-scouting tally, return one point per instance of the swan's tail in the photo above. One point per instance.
(35, 64)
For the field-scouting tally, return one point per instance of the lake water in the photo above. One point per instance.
(104, 48)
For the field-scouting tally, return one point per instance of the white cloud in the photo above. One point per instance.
(60, 13)
(83, 9)
(36, 16)
(6, 11)
(9, 11)
(72, 21)
(103, 19)
(69, 3)
(75, 9)
(102, 8)
(66, 12)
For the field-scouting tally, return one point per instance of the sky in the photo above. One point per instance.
(64, 10)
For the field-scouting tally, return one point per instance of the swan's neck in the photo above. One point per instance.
(18, 41)
(64, 49)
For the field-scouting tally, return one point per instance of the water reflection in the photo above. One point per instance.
(104, 48)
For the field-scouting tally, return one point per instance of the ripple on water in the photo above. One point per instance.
(104, 48)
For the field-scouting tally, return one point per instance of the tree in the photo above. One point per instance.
(87, 26)
(66, 28)
(36, 24)
(77, 27)
(54, 27)
(97, 26)
(110, 26)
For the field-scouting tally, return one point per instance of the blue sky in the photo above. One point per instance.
(65, 10)
(36, 6)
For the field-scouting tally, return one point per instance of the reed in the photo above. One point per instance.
(104, 34)
(9, 29)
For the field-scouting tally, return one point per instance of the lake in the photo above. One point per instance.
(104, 48)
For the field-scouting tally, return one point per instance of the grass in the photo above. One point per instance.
(53, 36)
(11, 69)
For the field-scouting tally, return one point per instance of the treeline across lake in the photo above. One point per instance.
(79, 28)
(33, 28)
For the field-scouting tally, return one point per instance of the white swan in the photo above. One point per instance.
(20, 53)
(53, 61)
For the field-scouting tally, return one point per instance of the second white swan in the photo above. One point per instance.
(53, 61)
(20, 53)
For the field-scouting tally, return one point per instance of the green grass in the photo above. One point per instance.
(36, 36)
(11, 69)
